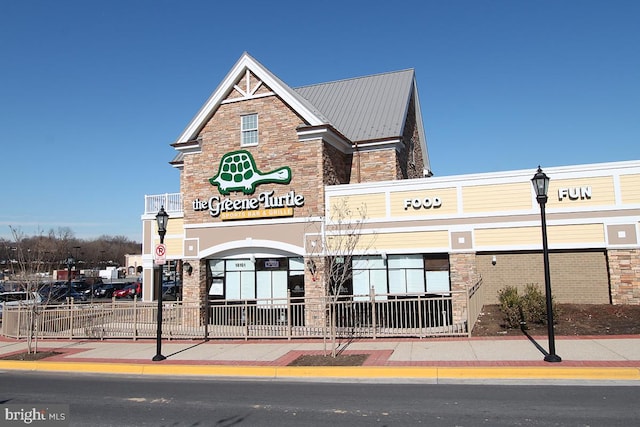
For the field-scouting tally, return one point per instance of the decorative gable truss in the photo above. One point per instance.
(248, 87)
(248, 79)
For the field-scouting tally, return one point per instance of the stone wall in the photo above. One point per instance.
(624, 273)
(463, 275)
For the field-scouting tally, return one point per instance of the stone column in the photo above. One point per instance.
(463, 275)
(194, 293)
(624, 276)
(314, 291)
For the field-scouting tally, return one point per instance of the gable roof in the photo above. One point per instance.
(246, 62)
(364, 108)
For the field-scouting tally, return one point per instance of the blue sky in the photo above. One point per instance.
(92, 93)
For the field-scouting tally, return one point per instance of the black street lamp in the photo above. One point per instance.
(162, 218)
(540, 183)
(70, 261)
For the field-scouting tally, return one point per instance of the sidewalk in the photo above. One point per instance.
(596, 359)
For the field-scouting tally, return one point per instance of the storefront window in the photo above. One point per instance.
(411, 274)
(268, 279)
(368, 272)
(240, 280)
(406, 274)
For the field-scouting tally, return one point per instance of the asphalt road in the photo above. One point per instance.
(135, 401)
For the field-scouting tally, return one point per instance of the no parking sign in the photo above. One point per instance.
(161, 254)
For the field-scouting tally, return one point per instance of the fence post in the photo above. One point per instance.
(18, 335)
(207, 318)
(246, 320)
(135, 317)
(289, 312)
(422, 335)
(466, 290)
(372, 301)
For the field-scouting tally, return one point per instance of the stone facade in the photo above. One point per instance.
(463, 275)
(624, 271)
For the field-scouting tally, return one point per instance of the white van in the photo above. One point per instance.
(10, 299)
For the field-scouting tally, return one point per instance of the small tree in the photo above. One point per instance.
(32, 266)
(339, 240)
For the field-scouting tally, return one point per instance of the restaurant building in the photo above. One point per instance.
(265, 170)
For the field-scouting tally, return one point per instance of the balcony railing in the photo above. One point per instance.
(172, 202)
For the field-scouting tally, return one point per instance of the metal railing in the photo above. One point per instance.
(475, 301)
(362, 316)
(172, 202)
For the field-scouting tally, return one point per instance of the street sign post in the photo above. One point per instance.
(161, 254)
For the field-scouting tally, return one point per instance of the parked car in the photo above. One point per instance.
(130, 291)
(64, 293)
(9, 299)
(106, 290)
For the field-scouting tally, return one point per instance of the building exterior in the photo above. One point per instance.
(266, 169)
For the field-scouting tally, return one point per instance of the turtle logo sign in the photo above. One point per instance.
(238, 172)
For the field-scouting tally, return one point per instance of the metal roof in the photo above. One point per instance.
(364, 108)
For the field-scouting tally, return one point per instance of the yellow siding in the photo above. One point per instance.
(373, 204)
(558, 234)
(174, 246)
(174, 226)
(497, 197)
(406, 240)
(583, 233)
(448, 197)
(630, 188)
(602, 192)
(508, 236)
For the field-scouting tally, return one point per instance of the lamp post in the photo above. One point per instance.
(162, 218)
(69, 261)
(540, 183)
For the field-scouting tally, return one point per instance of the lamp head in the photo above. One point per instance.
(162, 218)
(540, 182)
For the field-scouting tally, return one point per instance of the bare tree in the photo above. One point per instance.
(32, 266)
(330, 254)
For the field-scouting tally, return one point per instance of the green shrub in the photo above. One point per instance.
(511, 306)
(521, 309)
(534, 304)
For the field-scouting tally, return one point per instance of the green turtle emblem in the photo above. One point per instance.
(238, 172)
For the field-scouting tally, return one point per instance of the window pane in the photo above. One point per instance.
(250, 137)
(368, 262)
(250, 122)
(217, 267)
(248, 285)
(437, 281)
(279, 286)
(415, 281)
(397, 282)
(361, 285)
(405, 261)
(296, 264)
(264, 289)
(216, 288)
(379, 282)
(233, 285)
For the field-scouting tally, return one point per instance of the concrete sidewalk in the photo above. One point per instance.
(588, 359)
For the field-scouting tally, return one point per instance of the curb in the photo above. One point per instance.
(427, 373)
